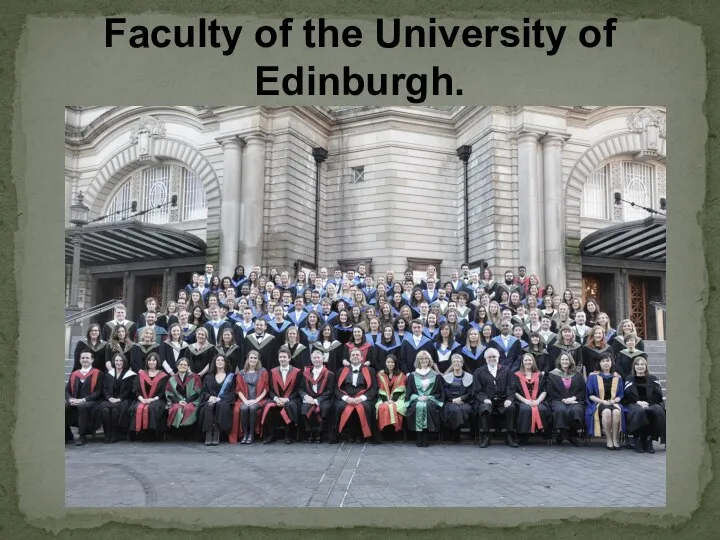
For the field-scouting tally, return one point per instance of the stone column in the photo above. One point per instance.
(530, 240)
(253, 192)
(554, 219)
(230, 205)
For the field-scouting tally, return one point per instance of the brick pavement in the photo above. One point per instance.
(182, 474)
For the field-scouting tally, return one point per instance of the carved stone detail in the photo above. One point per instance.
(616, 186)
(148, 129)
(650, 123)
(661, 183)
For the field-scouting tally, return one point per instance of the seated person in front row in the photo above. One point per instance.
(494, 393)
(284, 398)
(356, 393)
(424, 397)
(117, 395)
(83, 393)
(217, 400)
(147, 412)
(317, 392)
(645, 407)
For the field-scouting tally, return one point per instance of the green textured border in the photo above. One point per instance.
(14, 212)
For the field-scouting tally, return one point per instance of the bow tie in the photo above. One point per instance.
(357, 370)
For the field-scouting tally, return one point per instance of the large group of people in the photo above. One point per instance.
(253, 357)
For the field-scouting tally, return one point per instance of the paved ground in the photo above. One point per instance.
(175, 474)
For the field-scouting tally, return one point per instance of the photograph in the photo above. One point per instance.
(365, 306)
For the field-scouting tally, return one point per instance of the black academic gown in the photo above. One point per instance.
(433, 405)
(109, 326)
(119, 386)
(648, 422)
(170, 355)
(320, 416)
(574, 350)
(509, 357)
(219, 414)
(591, 356)
(98, 354)
(332, 353)
(381, 350)
(213, 336)
(473, 357)
(138, 354)
(299, 355)
(200, 357)
(272, 414)
(617, 344)
(497, 389)
(233, 356)
(148, 388)
(278, 330)
(566, 417)
(625, 359)
(455, 415)
(111, 349)
(409, 352)
(83, 415)
(367, 386)
(524, 421)
(543, 361)
(267, 349)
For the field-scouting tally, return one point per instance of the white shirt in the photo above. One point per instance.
(85, 371)
(315, 375)
(493, 370)
(581, 329)
(355, 375)
(284, 373)
(505, 339)
(298, 314)
(417, 339)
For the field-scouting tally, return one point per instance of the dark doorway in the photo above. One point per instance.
(642, 291)
(107, 289)
(183, 279)
(146, 287)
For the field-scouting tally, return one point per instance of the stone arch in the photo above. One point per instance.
(615, 145)
(126, 160)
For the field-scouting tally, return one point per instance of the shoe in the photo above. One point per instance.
(269, 440)
(244, 440)
(484, 440)
(649, 446)
(419, 441)
(288, 440)
(573, 440)
(333, 439)
(208, 438)
(510, 441)
(456, 437)
(559, 438)
(426, 439)
(639, 447)
(216, 437)
(82, 441)
(250, 440)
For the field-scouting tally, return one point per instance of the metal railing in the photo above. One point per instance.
(91, 312)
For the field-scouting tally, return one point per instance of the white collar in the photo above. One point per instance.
(84, 371)
(423, 371)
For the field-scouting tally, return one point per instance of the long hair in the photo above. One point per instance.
(151, 356)
(396, 369)
(572, 368)
(87, 335)
(591, 338)
(534, 367)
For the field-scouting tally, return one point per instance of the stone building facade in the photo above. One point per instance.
(391, 188)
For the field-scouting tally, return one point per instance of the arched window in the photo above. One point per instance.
(634, 180)
(154, 187)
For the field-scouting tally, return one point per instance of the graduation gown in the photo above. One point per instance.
(366, 386)
(321, 414)
(597, 385)
(308, 336)
(409, 352)
(497, 389)
(390, 407)
(188, 333)
(98, 354)
(509, 357)
(290, 389)
(591, 356)
(215, 330)
(549, 340)
(574, 350)
(166, 321)
(542, 358)
(138, 354)
(200, 357)
(119, 386)
(170, 355)
(88, 386)
(424, 415)
(109, 326)
(111, 349)
(278, 330)
(381, 350)
(532, 419)
(455, 415)
(241, 331)
(617, 344)
(295, 319)
(566, 417)
(219, 414)
(650, 421)
(299, 355)
(267, 349)
(444, 354)
(473, 358)
(233, 356)
(343, 333)
(624, 360)
(332, 353)
(148, 416)
(241, 386)
(186, 389)
(364, 348)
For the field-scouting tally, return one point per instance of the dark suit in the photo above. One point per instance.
(497, 389)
